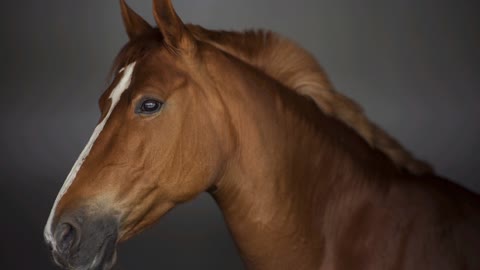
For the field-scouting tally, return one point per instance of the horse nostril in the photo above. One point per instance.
(66, 236)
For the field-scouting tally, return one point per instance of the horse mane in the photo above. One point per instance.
(291, 65)
(285, 61)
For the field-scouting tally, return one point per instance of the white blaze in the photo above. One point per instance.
(114, 97)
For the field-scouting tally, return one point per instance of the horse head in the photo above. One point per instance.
(161, 140)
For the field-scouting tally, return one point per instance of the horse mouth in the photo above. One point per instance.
(106, 256)
(104, 259)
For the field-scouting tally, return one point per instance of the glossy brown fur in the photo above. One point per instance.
(303, 183)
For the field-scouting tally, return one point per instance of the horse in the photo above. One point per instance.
(302, 177)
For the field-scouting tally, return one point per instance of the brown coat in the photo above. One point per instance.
(303, 178)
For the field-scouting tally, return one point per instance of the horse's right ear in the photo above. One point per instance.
(134, 24)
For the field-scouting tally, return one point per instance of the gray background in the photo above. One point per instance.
(413, 64)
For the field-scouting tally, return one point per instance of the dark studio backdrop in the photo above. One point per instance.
(414, 65)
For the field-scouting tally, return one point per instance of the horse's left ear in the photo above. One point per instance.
(174, 31)
(134, 24)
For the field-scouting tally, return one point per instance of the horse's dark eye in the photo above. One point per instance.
(149, 106)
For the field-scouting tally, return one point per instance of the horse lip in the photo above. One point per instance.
(104, 260)
(106, 256)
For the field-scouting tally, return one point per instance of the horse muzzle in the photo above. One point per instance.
(84, 242)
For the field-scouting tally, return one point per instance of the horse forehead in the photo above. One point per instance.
(160, 76)
(105, 101)
(158, 66)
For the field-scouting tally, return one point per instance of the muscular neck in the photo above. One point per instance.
(291, 167)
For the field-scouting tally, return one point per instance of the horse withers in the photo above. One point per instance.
(302, 177)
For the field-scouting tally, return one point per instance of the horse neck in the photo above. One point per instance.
(291, 162)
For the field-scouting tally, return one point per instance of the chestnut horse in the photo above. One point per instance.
(302, 177)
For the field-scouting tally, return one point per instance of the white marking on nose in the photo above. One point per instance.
(114, 97)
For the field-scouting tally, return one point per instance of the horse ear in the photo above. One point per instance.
(175, 33)
(134, 24)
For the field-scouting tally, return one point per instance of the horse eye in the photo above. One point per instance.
(149, 106)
